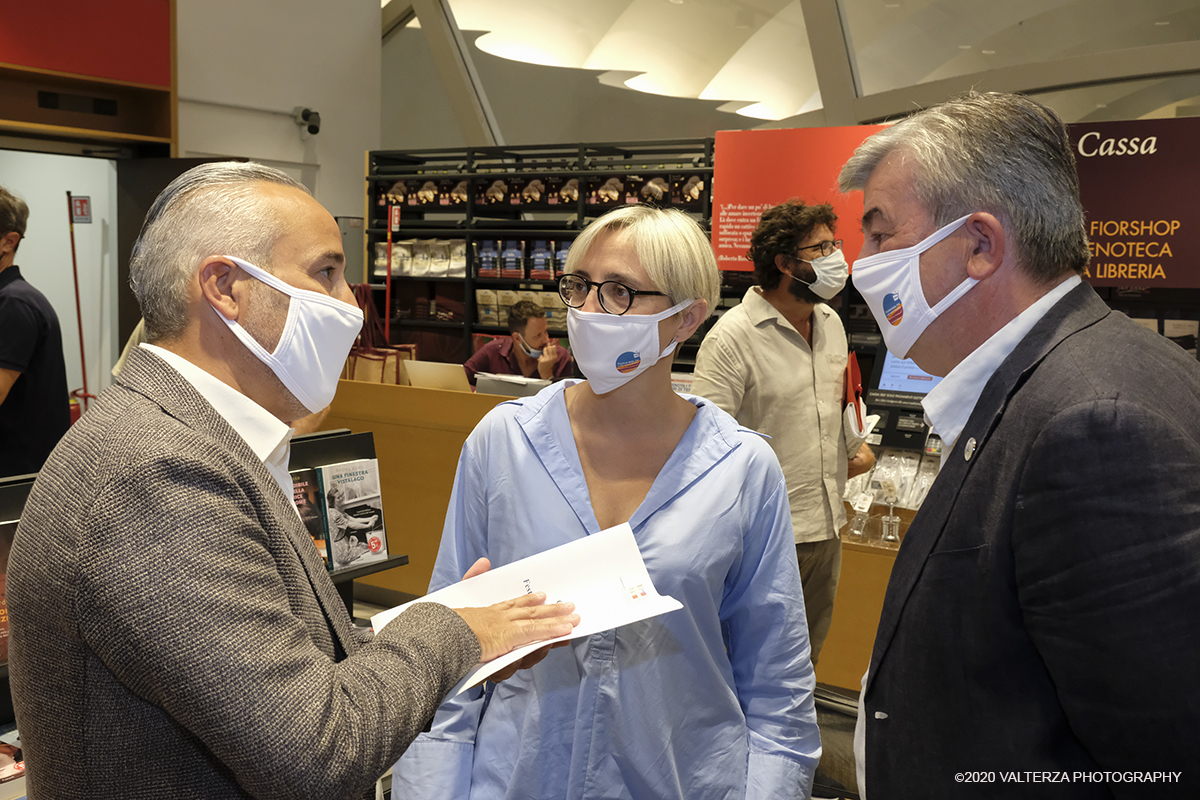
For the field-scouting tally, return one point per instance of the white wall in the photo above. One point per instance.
(244, 65)
(44, 255)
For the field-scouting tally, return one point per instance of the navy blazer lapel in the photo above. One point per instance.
(154, 379)
(1078, 309)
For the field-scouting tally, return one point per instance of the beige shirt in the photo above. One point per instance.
(755, 365)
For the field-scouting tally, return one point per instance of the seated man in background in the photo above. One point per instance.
(527, 352)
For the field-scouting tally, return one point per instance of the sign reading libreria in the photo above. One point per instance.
(1138, 181)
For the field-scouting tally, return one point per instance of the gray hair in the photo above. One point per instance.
(14, 214)
(1000, 153)
(212, 209)
(671, 246)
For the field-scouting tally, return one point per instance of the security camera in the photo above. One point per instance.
(308, 120)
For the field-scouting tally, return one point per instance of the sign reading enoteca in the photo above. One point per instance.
(1136, 180)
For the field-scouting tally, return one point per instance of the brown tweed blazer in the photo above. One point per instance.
(175, 634)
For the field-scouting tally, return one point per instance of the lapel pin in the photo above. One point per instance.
(969, 449)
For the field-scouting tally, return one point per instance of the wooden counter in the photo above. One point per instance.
(419, 434)
(866, 570)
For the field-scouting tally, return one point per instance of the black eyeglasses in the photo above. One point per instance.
(615, 297)
(826, 248)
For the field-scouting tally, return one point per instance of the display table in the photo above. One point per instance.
(866, 570)
(419, 434)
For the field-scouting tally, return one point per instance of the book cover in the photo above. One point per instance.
(352, 510)
(12, 760)
(306, 494)
(7, 531)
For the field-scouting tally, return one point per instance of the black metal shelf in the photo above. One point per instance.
(475, 221)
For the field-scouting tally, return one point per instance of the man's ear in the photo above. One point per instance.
(780, 262)
(988, 247)
(9, 242)
(217, 278)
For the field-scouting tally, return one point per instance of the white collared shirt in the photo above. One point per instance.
(267, 436)
(948, 405)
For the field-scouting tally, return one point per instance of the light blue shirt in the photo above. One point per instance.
(711, 701)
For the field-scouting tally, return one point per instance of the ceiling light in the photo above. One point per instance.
(677, 2)
(988, 52)
(964, 47)
(1168, 22)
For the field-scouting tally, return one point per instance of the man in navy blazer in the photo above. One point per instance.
(1040, 634)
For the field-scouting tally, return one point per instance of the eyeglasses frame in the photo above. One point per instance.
(633, 293)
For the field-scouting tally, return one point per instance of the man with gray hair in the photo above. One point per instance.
(174, 631)
(35, 407)
(1042, 613)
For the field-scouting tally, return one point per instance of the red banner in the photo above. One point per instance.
(756, 170)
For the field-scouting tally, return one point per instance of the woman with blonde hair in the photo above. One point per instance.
(711, 701)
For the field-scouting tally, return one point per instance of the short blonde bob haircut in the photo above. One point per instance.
(670, 245)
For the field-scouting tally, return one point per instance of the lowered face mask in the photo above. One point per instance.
(316, 339)
(525, 348)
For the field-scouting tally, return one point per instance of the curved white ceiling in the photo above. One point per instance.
(755, 56)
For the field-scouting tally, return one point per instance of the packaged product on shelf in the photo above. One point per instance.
(561, 190)
(556, 311)
(439, 258)
(452, 191)
(560, 257)
(606, 190)
(487, 259)
(541, 261)
(380, 264)
(512, 259)
(491, 192)
(530, 191)
(505, 299)
(531, 296)
(411, 192)
(305, 493)
(655, 189)
(486, 310)
(448, 309)
(458, 259)
(402, 250)
(687, 190)
(421, 253)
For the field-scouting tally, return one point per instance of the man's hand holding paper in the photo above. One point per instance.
(603, 574)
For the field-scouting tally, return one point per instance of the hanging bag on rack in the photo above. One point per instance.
(372, 359)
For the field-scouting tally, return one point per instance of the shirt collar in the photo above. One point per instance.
(760, 310)
(267, 436)
(948, 405)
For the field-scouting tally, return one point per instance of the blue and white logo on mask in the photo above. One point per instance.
(628, 361)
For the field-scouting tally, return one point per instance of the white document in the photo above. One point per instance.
(602, 574)
(855, 435)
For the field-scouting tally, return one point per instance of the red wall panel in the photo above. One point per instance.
(125, 40)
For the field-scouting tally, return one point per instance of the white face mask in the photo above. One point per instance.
(832, 271)
(525, 348)
(891, 284)
(314, 344)
(612, 349)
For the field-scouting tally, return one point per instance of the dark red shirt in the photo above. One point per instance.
(498, 356)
